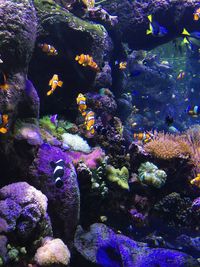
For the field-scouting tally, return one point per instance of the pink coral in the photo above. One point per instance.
(91, 160)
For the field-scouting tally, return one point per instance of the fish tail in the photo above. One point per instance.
(92, 131)
(149, 31)
(185, 41)
(150, 18)
(60, 83)
(185, 32)
(49, 92)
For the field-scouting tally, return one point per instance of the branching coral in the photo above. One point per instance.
(167, 146)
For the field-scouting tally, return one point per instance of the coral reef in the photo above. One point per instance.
(120, 177)
(63, 202)
(149, 174)
(24, 219)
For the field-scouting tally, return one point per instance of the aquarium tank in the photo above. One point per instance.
(100, 133)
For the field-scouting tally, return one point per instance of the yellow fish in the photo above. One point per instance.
(89, 122)
(3, 123)
(81, 102)
(196, 181)
(86, 60)
(54, 82)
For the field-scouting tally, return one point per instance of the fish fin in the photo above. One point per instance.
(185, 32)
(150, 18)
(92, 131)
(49, 92)
(50, 82)
(77, 58)
(60, 83)
(3, 130)
(185, 41)
(149, 31)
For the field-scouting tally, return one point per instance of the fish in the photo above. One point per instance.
(181, 75)
(54, 82)
(81, 102)
(90, 121)
(196, 181)
(145, 137)
(53, 119)
(3, 82)
(48, 49)
(122, 65)
(193, 111)
(155, 29)
(58, 172)
(3, 123)
(87, 60)
(196, 14)
(169, 120)
(192, 39)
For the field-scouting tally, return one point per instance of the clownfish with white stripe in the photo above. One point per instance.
(48, 49)
(54, 83)
(145, 137)
(58, 172)
(81, 102)
(89, 122)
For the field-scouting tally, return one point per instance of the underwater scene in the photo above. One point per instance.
(100, 133)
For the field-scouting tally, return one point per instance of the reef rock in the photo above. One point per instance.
(101, 246)
(64, 202)
(74, 37)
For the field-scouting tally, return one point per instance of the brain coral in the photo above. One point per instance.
(167, 146)
(151, 175)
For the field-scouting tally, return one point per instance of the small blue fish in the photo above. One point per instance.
(155, 29)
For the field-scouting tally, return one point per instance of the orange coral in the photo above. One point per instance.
(167, 146)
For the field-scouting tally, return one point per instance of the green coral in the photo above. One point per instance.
(120, 177)
(149, 174)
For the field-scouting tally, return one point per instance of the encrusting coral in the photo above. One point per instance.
(120, 177)
(149, 174)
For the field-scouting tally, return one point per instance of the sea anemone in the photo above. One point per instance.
(168, 146)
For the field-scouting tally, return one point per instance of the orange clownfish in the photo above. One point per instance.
(49, 49)
(3, 82)
(86, 60)
(3, 123)
(181, 75)
(196, 181)
(196, 14)
(54, 82)
(81, 102)
(89, 122)
(123, 65)
(144, 137)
